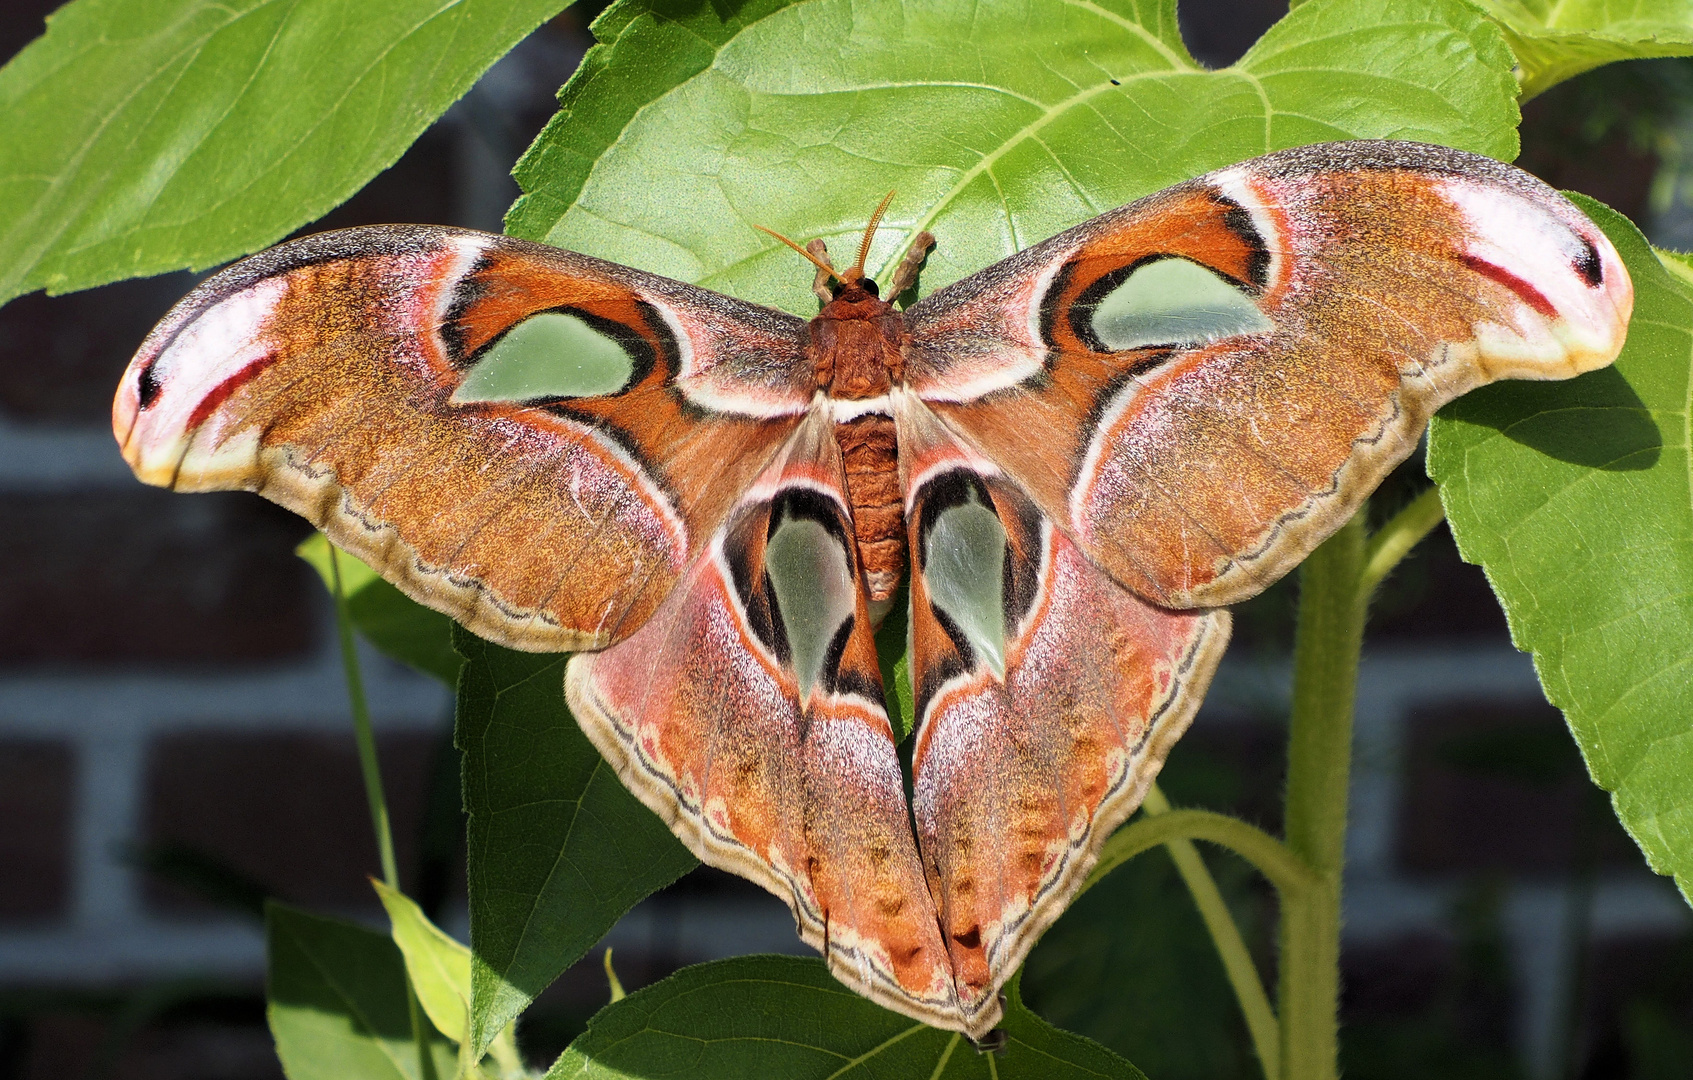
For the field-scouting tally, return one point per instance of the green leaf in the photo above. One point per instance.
(998, 124)
(893, 655)
(558, 849)
(337, 1001)
(392, 621)
(141, 136)
(784, 1016)
(438, 965)
(1558, 39)
(1575, 498)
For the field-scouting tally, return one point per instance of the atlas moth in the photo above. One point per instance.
(1078, 457)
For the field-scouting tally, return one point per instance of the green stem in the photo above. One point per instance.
(378, 802)
(1395, 539)
(1225, 935)
(1162, 826)
(361, 729)
(1177, 829)
(1326, 649)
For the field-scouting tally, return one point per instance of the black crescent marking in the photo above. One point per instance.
(469, 290)
(955, 487)
(1588, 264)
(147, 385)
(831, 674)
(936, 677)
(1022, 574)
(1238, 220)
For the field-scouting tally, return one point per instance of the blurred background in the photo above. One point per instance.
(175, 744)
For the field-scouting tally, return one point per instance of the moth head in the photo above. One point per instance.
(849, 284)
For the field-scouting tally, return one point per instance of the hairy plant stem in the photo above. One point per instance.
(378, 802)
(1298, 1039)
(1326, 647)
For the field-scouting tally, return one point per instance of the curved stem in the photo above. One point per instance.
(1396, 539)
(1248, 985)
(1177, 829)
(1162, 826)
(362, 732)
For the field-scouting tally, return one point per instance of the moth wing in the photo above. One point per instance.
(1047, 697)
(532, 441)
(1220, 373)
(748, 714)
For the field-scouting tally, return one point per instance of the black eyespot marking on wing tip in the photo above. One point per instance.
(147, 386)
(1588, 264)
(1238, 221)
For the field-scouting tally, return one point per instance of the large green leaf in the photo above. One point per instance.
(391, 620)
(783, 1016)
(999, 122)
(337, 1001)
(558, 849)
(1575, 497)
(1557, 39)
(139, 136)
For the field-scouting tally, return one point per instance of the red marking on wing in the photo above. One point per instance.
(222, 391)
(1528, 293)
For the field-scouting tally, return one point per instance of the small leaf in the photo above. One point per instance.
(337, 1001)
(1575, 498)
(783, 1016)
(998, 124)
(139, 136)
(1556, 40)
(438, 965)
(558, 848)
(389, 619)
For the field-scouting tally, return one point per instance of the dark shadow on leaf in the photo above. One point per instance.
(1596, 420)
(337, 969)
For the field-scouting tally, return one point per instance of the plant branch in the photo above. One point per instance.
(1177, 829)
(368, 764)
(1243, 974)
(1396, 539)
(1161, 825)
